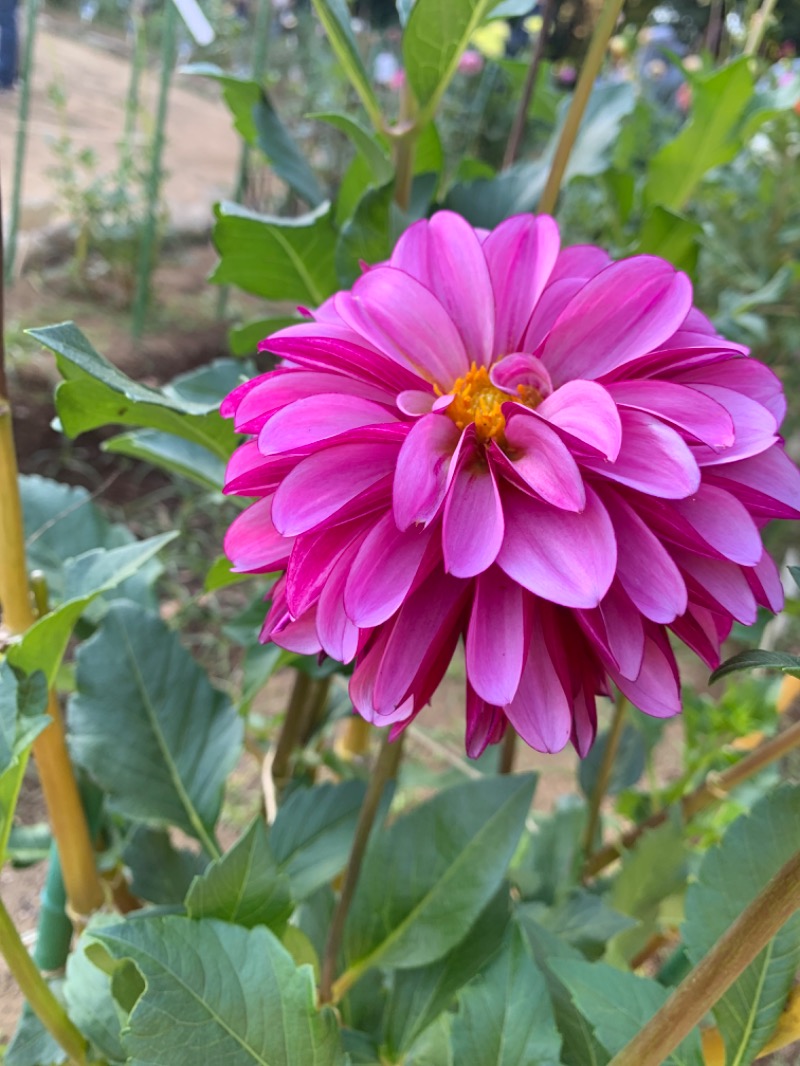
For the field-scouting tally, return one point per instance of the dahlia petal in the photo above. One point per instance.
(420, 479)
(656, 690)
(743, 375)
(383, 571)
(616, 627)
(496, 638)
(587, 412)
(697, 630)
(472, 527)
(362, 683)
(252, 542)
(653, 459)
(541, 460)
(298, 635)
(645, 568)
(584, 722)
(724, 582)
(698, 415)
(767, 484)
(520, 368)
(521, 253)
(552, 302)
(426, 341)
(754, 426)
(318, 418)
(485, 724)
(416, 402)
(563, 557)
(765, 581)
(722, 522)
(337, 634)
(283, 386)
(541, 711)
(230, 404)
(619, 315)
(249, 473)
(319, 346)
(321, 484)
(313, 558)
(579, 261)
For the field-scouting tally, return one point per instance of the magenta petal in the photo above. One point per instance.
(282, 386)
(553, 301)
(321, 484)
(645, 568)
(521, 368)
(768, 484)
(579, 261)
(616, 628)
(542, 460)
(496, 638)
(383, 571)
(743, 375)
(472, 529)
(249, 473)
(754, 426)
(619, 315)
(521, 253)
(541, 711)
(653, 458)
(420, 479)
(587, 412)
(698, 415)
(563, 557)
(584, 722)
(415, 402)
(697, 630)
(298, 635)
(398, 315)
(765, 581)
(313, 558)
(724, 582)
(337, 634)
(724, 523)
(319, 346)
(656, 690)
(485, 724)
(252, 542)
(318, 418)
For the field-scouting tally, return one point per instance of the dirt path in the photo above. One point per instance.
(202, 147)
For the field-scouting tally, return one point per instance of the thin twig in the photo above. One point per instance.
(521, 117)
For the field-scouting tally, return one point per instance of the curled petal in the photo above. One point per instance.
(541, 461)
(587, 412)
(420, 479)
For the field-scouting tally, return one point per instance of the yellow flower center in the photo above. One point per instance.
(476, 399)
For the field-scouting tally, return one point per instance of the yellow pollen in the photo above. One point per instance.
(476, 399)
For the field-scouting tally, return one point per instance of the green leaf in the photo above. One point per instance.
(244, 340)
(160, 872)
(22, 703)
(654, 870)
(436, 34)
(550, 863)
(277, 258)
(147, 725)
(487, 201)
(258, 122)
(219, 575)
(444, 861)
(89, 998)
(212, 985)
(335, 17)
(627, 768)
(586, 921)
(367, 236)
(365, 143)
(96, 393)
(617, 1004)
(731, 875)
(418, 996)
(170, 453)
(313, 832)
(245, 886)
(505, 1017)
(709, 139)
(755, 659)
(794, 571)
(608, 106)
(580, 1046)
(433, 1048)
(85, 578)
(671, 236)
(32, 1044)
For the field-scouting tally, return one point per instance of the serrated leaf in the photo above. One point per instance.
(617, 1005)
(170, 453)
(418, 996)
(335, 17)
(444, 861)
(505, 1017)
(313, 832)
(96, 393)
(731, 875)
(277, 258)
(210, 984)
(257, 120)
(756, 659)
(84, 579)
(244, 886)
(709, 139)
(140, 693)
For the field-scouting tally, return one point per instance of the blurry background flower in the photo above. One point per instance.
(470, 63)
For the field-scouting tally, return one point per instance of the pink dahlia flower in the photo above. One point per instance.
(547, 454)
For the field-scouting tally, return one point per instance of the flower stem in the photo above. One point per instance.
(716, 972)
(292, 729)
(385, 770)
(583, 90)
(37, 992)
(604, 774)
(354, 742)
(714, 788)
(521, 117)
(507, 751)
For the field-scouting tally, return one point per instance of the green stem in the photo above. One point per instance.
(583, 90)
(508, 750)
(149, 236)
(715, 973)
(521, 117)
(758, 27)
(37, 991)
(26, 79)
(292, 730)
(385, 770)
(604, 774)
